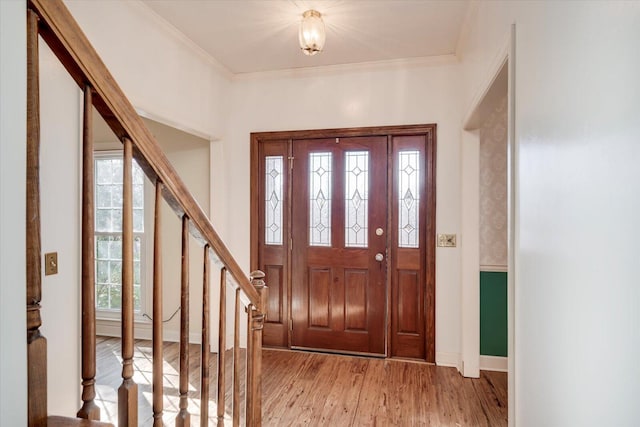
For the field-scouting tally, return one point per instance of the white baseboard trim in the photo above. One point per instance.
(448, 359)
(144, 331)
(494, 363)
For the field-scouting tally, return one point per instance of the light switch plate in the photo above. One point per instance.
(447, 240)
(51, 263)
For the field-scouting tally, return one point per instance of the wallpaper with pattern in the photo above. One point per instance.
(493, 188)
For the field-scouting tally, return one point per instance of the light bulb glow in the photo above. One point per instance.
(311, 34)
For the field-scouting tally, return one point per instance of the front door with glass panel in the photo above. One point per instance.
(344, 229)
(338, 262)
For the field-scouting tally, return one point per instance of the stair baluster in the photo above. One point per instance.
(183, 419)
(128, 391)
(89, 409)
(157, 311)
(36, 343)
(205, 346)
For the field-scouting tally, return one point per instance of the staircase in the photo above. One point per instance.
(51, 20)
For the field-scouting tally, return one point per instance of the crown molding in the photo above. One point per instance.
(392, 64)
(183, 39)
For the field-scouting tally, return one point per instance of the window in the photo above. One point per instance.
(108, 229)
(320, 199)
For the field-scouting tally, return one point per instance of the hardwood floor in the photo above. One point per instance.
(319, 390)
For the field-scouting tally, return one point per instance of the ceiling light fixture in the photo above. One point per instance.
(311, 34)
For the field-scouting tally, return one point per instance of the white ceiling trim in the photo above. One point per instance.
(425, 61)
(175, 33)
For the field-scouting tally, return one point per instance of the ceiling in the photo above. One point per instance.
(261, 35)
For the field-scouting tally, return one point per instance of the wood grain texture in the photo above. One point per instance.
(128, 391)
(183, 419)
(236, 361)
(222, 341)
(273, 259)
(65, 38)
(157, 310)
(74, 422)
(89, 409)
(257, 317)
(263, 256)
(317, 389)
(205, 346)
(36, 343)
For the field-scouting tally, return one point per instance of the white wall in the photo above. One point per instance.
(60, 229)
(13, 324)
(160, 70)
(351, 97)
(577, 297)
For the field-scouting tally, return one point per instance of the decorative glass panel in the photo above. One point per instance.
(109, 196)
(273, 200)
(320, 199)
(409, 199)
(356, 203)
(109, 272)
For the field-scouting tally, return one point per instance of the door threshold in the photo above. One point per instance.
(338, 352)
(347, 354)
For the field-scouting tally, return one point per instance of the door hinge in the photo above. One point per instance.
(291, 159)
(291, 324)
(290, 244)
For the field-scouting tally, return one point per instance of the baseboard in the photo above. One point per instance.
(448, 359)
(494, 363)
(143, 331)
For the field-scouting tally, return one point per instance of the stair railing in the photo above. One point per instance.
(51, 20)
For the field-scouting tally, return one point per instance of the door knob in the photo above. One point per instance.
(379, 257)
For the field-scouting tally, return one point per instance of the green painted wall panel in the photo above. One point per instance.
(493, 313)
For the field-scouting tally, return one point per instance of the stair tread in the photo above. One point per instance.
(53, 421)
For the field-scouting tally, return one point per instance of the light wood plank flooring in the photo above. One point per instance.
(318, 390)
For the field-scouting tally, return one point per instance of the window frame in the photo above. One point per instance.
(146, 256)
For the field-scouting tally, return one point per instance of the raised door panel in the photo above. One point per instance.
(338, 287)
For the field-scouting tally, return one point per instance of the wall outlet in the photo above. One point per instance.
(447, 240)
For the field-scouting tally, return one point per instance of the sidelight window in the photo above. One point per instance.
(273, 200)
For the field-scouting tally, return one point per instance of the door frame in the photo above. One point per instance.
(429, 130)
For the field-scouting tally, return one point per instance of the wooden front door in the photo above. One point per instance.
(339, 261)
(343, 225)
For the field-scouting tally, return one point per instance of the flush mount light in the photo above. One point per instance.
(311, 34)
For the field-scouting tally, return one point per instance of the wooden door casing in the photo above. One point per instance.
(399, 276)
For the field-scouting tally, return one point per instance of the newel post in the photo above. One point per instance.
(257, 319)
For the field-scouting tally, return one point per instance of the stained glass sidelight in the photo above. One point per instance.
(409, 199)
(273, 200)
(320, 199)
(356, 203)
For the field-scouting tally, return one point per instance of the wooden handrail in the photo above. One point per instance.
(52, 21)
(65, 38)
